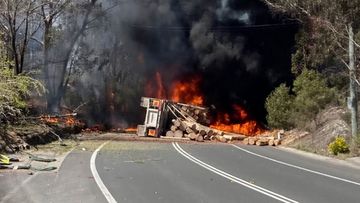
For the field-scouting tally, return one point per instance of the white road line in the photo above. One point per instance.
(233, 178)
(297, 167)
(97, 178)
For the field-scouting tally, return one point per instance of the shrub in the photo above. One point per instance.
(311, 95)
(13, 91)
(278, 106)
(312, 92)
(339, 145)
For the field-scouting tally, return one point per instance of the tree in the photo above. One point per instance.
(279, 107)
(16, 22)
(340, 20)
(312, 95)
(75, 20)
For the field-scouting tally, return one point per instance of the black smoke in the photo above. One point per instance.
(241, 50)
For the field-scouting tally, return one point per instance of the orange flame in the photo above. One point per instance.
(244, 125)
(160, 90)
(69, 120)
(155, 87)
(131, 130)
(181, 91)
(48, 119)
(188, 91)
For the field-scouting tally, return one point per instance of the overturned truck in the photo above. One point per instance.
(165, 118)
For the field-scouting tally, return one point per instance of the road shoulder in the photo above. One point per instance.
(353, 162)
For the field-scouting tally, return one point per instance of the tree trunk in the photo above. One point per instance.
(352, 103)
(53, 104)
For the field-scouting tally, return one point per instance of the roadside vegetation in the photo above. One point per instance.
(326, 76)
(297, 106)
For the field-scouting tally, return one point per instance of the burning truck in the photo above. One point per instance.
(180, 109)
(162, 114)
(166, 118)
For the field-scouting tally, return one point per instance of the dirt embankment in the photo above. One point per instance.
(30, 134)
(329, 124)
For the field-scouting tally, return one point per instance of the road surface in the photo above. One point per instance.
(173, 172)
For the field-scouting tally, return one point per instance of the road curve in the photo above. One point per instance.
(153, 172)
(172, 172)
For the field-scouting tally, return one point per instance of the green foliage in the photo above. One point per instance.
(278, 106)
(310, 95)
(339, 145)
(314, 51)
(13, 91)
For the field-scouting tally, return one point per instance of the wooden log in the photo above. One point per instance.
(189, 130)
(202, 133)
(173, 128)
(252, 140)
(246, 141)
(177, 123)
(194, 128)
(207, 137)
(277, 142)
(197, 111)
(169, 133)
(220, 138)
(271, 142)
(193, 136)
(178, 133)
(233, 137)
(200, 138)
(262, 142)
(182, 126)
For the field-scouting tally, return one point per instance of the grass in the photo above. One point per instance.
(92, 145)
(56, 148)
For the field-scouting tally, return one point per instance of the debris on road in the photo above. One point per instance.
(41, 159)
(262, 140)
(27, 166)
(4, 160)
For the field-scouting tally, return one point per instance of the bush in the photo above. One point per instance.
(13, 91)
(278, 106)
(339, 145)
(311, 95)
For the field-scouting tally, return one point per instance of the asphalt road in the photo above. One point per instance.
(165, 172)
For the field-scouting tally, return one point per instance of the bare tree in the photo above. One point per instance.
(77, 19)
(16, 20)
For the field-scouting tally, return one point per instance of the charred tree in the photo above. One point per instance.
(57, 76)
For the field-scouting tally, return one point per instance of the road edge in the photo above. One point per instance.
(332, 160)
(96, 175)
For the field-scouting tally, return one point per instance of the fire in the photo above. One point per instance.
(131, 130)
(185, 91)
(160, 90)
(94, 128)
(188, 91)
(155, 87)
(242, 125)
(48, 119)
(68, 120)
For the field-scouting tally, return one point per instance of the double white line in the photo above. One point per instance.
(244, 183)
